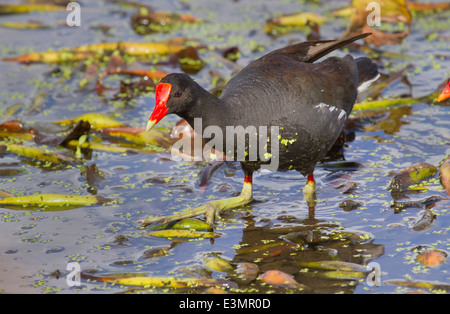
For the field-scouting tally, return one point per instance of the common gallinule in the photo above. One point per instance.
(296, 107)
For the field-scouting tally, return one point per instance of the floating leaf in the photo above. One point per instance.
(245, 272)
(380, 104)
(343, 12)
(186, 224)
(432, 257)
(391, 12)
(264, 248)
(349, 188)
(28, 25)
(53, 200)
(133, 48)
(418, 7)
(299, 19)
(156, 252)
(419, 284)
(337, 270)
(81, 129)
(139, 135)
(90, 74)
(12, 126)
(96, 120)
(412, 175)
(341, 275)
(298, 238)
(388, 103)
(37, 103)
(13, 109)
(399, 206)
(169, 282)
(27, 8)
(391, 123)
(5, 194)
(37, 154)
(94, 177)
(218, 264)
(189, 60)
(334, 265)
(15, 130)
(349, 205)
(82, 52)
(63, 55)
(181, 233)
(147, 21)
(4, 172)
(282, 279)
(424, 222)
(318, 236)
(444, 169)
(412, 5)
(306, 21)
(106, 148)
(16, 135)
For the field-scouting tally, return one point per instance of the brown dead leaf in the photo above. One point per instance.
(431, 257)
(279, 278)
(12, 126)
(189, 60)
(419, 7)
(94, 177)
(394, 12)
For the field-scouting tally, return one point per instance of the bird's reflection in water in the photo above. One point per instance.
(289, 244)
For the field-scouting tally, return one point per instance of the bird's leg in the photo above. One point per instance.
(212, 209)
(309, 191)
(216, 207)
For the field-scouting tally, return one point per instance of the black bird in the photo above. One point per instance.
(292, 109)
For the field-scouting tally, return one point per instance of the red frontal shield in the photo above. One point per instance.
(445, 93)
(162, 94)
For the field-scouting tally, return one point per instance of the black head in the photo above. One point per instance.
(176, 93)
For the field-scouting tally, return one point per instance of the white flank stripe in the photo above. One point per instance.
(342, 112)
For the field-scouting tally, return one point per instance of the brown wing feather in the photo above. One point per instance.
(310, 51)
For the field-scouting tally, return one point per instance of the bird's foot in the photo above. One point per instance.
(211, 210)
(215, 208)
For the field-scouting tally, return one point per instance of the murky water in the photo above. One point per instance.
(37, 245)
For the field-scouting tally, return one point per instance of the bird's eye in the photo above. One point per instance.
(177, 94)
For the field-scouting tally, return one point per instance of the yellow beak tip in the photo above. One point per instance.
(442, 97)
(150, 125)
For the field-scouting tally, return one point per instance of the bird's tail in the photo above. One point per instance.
(310, 51)
(367, 73)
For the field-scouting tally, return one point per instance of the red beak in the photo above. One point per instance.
(445, 93)
(162, 94)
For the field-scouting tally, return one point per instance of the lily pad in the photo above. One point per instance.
(412, 175)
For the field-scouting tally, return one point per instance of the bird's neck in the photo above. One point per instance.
(210, 109)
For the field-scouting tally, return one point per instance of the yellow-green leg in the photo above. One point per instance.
(309, 191)
(212, 209)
